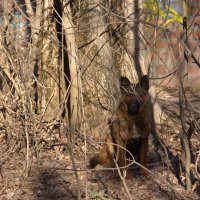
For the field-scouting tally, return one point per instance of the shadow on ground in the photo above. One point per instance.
(50, 185)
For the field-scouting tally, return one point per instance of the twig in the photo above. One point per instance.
(122, 177)
(27, 138)
(185, 149)
(196, 165)
(69, 147)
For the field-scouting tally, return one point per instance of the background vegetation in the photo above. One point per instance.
(60, 62)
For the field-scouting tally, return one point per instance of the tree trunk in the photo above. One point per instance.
(69, 30)
(30, 71)
(185, 148)
(135, 45)
(107, 76)
(48, 90)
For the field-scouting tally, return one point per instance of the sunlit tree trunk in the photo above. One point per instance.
(69, 30)
(3, 38)
(107, 75)
(135, 46)
(48, 90)
(30, 71)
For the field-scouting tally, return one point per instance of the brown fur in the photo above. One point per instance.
(129, 123)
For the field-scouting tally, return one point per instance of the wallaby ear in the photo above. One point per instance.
(124, 82)
(144, 82)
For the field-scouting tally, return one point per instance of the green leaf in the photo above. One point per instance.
(95, 195)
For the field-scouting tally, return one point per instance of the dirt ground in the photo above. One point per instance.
(51, 177)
